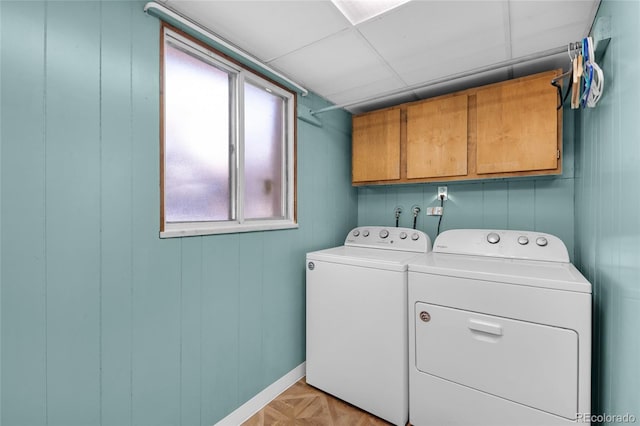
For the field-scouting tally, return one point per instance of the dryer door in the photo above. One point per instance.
(531, 364)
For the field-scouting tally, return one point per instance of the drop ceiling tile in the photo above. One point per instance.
(444, 63)
(537, 26)
(266, 29)
(334, 64)
(417, 29)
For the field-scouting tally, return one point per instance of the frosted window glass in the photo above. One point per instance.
(197, 179)
(263, 153)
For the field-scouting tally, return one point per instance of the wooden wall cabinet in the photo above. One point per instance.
(437, 138)
(517, 127)
(512, 128)
(376, 146)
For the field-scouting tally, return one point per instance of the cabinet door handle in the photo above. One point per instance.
(485, 327)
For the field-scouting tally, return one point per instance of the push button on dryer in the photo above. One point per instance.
(541, 241)
(493, 238)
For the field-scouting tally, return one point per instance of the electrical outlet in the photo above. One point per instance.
(442, 190)
(434, 211)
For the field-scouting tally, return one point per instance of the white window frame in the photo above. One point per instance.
(242, 75)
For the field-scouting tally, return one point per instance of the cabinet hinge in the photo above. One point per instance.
(558, 156)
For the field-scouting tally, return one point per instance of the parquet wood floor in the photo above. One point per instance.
(302, 404)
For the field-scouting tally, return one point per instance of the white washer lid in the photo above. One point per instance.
(535, 273)
(365, 257)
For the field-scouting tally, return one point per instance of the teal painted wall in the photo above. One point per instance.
(103, 322)
(542, 204)
(607, 215)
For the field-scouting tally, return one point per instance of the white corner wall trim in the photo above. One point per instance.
(255, 404)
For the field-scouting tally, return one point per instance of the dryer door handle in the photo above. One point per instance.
(485, 327)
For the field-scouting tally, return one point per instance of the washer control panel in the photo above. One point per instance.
(502, 243)
(404, 239)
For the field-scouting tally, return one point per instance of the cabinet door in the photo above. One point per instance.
(437, 138)
(376, 146)
(517, 127)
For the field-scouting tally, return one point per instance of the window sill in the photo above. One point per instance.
(193, 230)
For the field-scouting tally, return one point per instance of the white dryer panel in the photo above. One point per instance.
(552, 275)
(502, 243)
(438, 402)
(528, 363)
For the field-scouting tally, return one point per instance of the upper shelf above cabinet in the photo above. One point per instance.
(506, 129)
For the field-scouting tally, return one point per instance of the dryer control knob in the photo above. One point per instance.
(415, 236)
(541, 241)
(356, 233)
(493, 238)
(522, 240)
(365, 233)
(384, 233)
(403, 235)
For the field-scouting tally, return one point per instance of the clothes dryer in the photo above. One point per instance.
(499, 332)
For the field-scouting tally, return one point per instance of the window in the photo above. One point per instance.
(227, 146)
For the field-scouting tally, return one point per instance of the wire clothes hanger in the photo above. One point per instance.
(586, 79)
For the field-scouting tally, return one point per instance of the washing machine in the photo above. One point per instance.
(357, 331)
(499, 332)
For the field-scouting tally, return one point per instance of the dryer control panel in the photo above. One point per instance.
(389, 238)
(502, 243)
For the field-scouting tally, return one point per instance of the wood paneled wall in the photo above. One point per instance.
(103, 322)
(544, 205)
(607, 219)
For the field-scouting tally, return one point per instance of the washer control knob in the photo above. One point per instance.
(403, 235)
(356, 233)
(493, 238)
(541, 241)
(522, 240)
(384, 233)
(415, 236)
(365, 233)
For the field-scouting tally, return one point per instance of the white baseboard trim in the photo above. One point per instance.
(255, 404)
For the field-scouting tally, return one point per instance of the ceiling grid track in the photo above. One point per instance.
(506, 13)
(385, 62)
